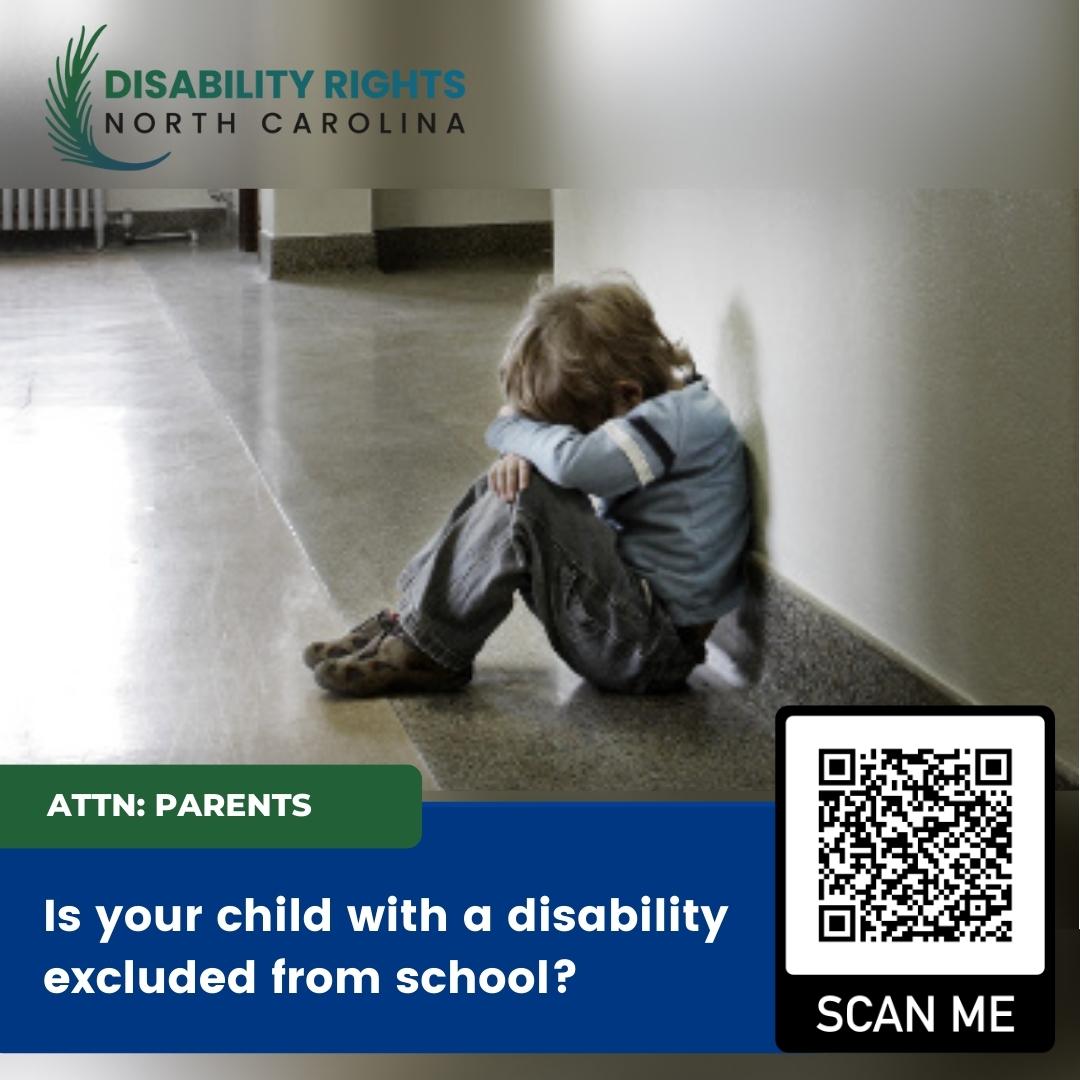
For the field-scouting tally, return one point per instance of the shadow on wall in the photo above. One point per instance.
(741, 634)
(738, 361)
(924, 345)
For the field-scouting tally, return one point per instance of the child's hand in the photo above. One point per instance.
(509, 475)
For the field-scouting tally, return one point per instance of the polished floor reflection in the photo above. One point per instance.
(202, 469)
(152, 590)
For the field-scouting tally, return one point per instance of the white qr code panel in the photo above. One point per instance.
(915, 845)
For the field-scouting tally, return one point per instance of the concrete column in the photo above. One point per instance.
(301, 231)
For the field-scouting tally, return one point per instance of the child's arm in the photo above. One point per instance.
(610, 461)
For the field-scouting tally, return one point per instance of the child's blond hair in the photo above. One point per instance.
(574, 342)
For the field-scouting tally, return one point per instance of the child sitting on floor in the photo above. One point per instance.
(599, 403)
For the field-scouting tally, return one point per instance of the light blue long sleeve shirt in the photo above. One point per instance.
(670, 477)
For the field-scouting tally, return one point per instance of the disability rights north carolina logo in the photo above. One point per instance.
(306, 103)
(68, 109)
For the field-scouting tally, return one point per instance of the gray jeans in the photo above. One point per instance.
(550, 546)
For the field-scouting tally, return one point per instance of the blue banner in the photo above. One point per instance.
(645, 927)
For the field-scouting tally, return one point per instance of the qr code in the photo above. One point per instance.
(915, 845)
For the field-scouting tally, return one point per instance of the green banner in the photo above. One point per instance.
(209, 806)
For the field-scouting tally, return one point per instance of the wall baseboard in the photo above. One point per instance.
(403, 249)
(406, 248)
(288, 256)
(788, 649)
(205, 220)
(32, 241)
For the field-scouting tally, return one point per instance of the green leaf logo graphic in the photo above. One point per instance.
(68, 110)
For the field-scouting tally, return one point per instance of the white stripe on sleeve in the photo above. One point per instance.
(625, 442)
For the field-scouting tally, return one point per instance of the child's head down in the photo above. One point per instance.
(582, 354)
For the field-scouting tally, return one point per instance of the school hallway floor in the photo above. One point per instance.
(203, 470)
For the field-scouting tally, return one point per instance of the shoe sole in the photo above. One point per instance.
(393, 685)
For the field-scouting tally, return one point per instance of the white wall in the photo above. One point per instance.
(303, 212)
(404, 208)
(904, 366)
(267, 209)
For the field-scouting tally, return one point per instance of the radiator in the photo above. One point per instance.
(53, 209)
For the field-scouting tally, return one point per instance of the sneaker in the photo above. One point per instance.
(389, 664)
(356, 639)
